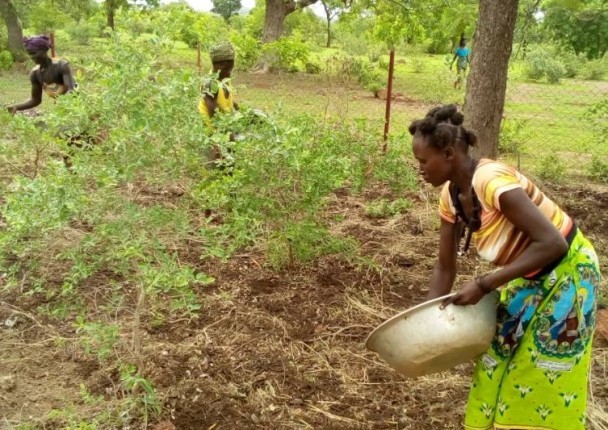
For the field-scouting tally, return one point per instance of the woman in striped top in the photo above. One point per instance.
(535, 374)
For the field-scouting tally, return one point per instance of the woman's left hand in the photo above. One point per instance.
(467, 295)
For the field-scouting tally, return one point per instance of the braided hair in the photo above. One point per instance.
(442, 126)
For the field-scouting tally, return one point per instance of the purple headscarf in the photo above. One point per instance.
(37, 43)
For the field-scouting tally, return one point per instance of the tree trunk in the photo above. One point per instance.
(15, 32)
(111, 11)
(276, 12)
(487, 82)
(328, 17)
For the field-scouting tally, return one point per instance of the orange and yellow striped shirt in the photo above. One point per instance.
(498, 240)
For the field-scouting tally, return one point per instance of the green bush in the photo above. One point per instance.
(6, 60)
(573, 64)
(351, 69)
(552, 168)
(82, 32)
(247, 49)
(598, 169)
(287, 53)
(595, 70)
(509, 140)
(312, 68)
(541, 62)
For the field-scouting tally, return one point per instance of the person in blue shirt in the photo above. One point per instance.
(462, 55)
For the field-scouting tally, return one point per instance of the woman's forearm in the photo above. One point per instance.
(442, 281)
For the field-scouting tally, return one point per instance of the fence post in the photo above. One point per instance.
(389, 96)
(52, 37)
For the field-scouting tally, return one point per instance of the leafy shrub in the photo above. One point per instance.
(287, 53)
(599, 169)
(247, 49)
(82, 32)
(573, 63)
(351, 69)
(6, 60)
(541, 62)
(312, 68)
(510, 141)
(383, 208)
(418, 65)
(594, 70)
(552, 168)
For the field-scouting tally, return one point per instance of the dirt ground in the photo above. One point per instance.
(275, 350)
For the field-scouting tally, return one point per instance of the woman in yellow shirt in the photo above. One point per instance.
(535, 374)
(217, 90)
(218, 94)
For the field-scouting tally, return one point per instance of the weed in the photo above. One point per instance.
(552, 168)
(384, 208)
(598, 169)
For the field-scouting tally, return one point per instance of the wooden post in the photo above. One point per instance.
(389, 96)
(198, 56)
(52, 37)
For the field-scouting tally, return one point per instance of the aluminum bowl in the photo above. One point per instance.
(426, 339)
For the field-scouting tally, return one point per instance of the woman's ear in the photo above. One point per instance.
(449, 152)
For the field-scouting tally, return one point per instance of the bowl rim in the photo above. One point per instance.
(405, 312)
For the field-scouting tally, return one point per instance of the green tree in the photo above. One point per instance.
(111, 6)
(226, 8)
(578, 24)
(332, 9)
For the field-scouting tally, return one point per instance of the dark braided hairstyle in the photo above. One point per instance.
(442, 126)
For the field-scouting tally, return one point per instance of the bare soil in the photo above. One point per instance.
(274, 350)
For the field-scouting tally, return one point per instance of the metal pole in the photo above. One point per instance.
(389, 96)
(53, 53)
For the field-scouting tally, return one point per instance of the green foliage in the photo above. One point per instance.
(97, 338)
(82, 32)
(383, 208)
(312, 68)
(6, 60)
(542, 62)
(572, 62)
(247, 49)
(598, 169)
(351, 69)
(552, 168)
(595, 70)
(510, 140)
(287, 53)
(579, 25)
(306, 22)
(226, 8)
(134, 382)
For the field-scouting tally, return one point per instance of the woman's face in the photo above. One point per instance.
(37, 55)
(435, 165)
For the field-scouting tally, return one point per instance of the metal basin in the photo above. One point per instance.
(426, 339)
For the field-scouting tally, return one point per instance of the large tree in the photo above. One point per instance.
(13, 26)
(581, 25)
(226, 8)
(487, 82)
(276, 12)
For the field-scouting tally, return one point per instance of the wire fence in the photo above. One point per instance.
(541, 121)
